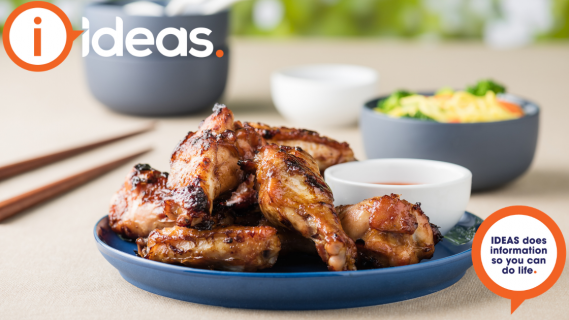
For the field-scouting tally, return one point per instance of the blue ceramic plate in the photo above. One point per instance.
(294, 283)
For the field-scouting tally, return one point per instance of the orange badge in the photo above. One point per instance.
(10, 35)
(518, 296)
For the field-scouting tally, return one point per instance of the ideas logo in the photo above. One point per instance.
(132, 40)
(38, 36)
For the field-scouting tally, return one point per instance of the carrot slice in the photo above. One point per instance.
(511, 107)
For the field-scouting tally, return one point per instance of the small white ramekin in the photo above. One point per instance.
(323, 94)
(442, 188)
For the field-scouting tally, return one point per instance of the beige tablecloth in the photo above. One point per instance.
(50, 267)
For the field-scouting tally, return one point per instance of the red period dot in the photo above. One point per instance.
(37, 20)
(535, 272)
(219, 53)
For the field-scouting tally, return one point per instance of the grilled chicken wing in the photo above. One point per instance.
(232, 248)
(389, 231)
(293, 195)
(203, 166)
(138, 207)
(327, 152)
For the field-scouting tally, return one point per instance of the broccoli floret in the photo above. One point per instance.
(392, 101)
(400, 94)
(418, 115)
(484, 86)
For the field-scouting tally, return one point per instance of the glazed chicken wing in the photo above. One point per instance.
(293, 194)
(389, 232)
(203, 166)
(232, 248)
(138, 207)
(327, 152)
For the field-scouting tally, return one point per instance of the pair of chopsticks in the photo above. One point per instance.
(34, 197)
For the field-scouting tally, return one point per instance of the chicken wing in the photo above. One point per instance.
(327, 152)
(232, 248)
(138, 207)
(293, 195)
(389, 232)
(203, 166)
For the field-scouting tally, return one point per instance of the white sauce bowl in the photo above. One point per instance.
(442, 188)
(323, 94)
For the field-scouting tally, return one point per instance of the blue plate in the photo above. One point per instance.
(294, 283)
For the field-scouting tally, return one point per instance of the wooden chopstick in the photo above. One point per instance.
(30, 164)
(29, 199)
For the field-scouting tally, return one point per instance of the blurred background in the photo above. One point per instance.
(498, 23)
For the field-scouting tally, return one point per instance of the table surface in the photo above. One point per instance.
(50, 267)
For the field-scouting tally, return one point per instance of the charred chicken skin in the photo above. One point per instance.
(249, 141)
(232, 248)
(293, 195)
(240, 207)
(327, 152)
(389, 232)
(244, 196)
(138, 207)
(203, 166)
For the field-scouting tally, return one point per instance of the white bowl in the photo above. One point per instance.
(323, 94)
(442, 188)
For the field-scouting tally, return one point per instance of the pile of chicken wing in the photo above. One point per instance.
(239, 194)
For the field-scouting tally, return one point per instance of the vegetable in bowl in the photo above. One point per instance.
(478, 103)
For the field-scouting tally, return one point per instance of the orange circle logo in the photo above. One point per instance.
(38, 36)
(518, 253)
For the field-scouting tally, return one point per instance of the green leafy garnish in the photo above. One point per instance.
(484, 86)
(460, 235)
(392, 101)
(418, 115)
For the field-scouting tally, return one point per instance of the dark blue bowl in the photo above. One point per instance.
(495, 152)
(156, 85)
(294, 283)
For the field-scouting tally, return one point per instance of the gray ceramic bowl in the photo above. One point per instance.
(156, 85)
(495, 152)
